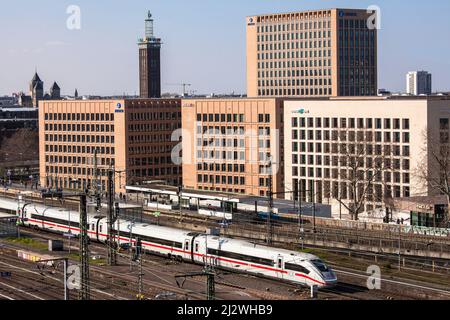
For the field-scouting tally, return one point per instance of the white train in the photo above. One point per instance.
(225, 253)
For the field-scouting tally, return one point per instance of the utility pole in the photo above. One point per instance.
(300, 220)
(141, 274)
(269, 214)
(111, 243)
(314, 205)
(210, 284)
(130, 227)
(141, 287)
(95, 184)
(399, 248)
(84, 293)
(180, 190)
(207, 272)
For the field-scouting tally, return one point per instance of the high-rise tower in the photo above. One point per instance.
(418, 82)
(318, 53)
(149, 62)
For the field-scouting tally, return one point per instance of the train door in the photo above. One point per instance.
(196, 250)
(186, 248)
(280, 266)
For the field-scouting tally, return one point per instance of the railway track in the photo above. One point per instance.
(342, 291)
(402, 285)
(122, 281)
(51, 286)
(163, 270)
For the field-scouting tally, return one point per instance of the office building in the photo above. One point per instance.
(312, 54)
(134, 136)
(386, 136)
(229, 145)
(419, 83)
(149, 62)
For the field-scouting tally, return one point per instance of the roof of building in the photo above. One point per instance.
(428, 200)
(18, 109)
(36, 78)
(307, 11)
(25, 97)
(55, 86)
(359, 98)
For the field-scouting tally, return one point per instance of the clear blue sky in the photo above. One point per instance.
(204, 42)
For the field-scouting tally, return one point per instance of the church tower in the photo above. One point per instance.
(55, 92)
(36, 89)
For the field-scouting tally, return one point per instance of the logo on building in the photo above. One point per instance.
(119, 108)
(251, 22)
(342, 14)
(301, 111)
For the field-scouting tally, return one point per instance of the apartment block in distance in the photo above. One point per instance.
(317, 53)
(419, 82)
(229, 145)
(322, 136)
(133, 136)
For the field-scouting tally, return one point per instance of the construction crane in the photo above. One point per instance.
(184, 85)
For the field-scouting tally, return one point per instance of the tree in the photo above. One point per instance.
(359, 170)
(21, 145)
(433, 171)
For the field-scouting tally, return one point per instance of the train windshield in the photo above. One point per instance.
(320, 265)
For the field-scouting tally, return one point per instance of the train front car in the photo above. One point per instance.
(327, 276)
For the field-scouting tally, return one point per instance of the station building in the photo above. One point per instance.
(133, 136)
(231, 145)
(395, 134)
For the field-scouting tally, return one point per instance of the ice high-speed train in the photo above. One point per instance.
(226, 253)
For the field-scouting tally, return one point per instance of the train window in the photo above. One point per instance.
(163, 242)
(196, 247)
(320, 265)
(100, 228)
(186, 245)
(93, 227)
(296, 267)
(55, 220)
(242, 257)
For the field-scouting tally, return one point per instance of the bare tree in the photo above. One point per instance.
(433, 170)
(361, 165)
(21, 145)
